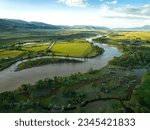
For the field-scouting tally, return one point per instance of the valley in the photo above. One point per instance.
(74, 70)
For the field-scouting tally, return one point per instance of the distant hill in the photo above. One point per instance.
(13, 24)
(143, 28)
(90, 27)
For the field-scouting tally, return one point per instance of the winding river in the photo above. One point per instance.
(10, 80)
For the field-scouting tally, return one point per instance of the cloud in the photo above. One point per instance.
(112, 2)
(129, 17)
(74, 3)
(143, 10)
(127, 12)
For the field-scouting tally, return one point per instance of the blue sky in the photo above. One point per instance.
(110, 13)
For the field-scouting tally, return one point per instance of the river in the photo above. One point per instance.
(10, 80)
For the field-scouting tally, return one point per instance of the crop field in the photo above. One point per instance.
(36, 48)
(132, 35)
(5, 54)
(74, 49)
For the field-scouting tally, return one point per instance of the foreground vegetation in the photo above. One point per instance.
(141, 96)
(77, 93)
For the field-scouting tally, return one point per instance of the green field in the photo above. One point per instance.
(74, 49)
(41, 35)
(36, 48)
(68, 43)
(44, 61)
(134, 45)
(132, 35)
(6, 54)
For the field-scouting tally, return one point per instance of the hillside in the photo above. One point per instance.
(12, 24)
(143, 28)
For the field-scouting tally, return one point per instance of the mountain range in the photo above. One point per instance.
(13, 24)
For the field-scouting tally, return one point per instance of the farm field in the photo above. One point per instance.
(6, 54)
(36, 48)
(15, 47)
(75, 49)
(132, 35)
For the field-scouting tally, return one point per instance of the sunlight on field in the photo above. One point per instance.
(146, 45)
(36, 48)
(132, 35)
(72, 49)
(9, 53)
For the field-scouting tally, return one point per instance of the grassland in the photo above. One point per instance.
(131, 36)
(135, 48)
(13, 47)
(22, 36)
(36, 48)
(6, 54)
(44, 61)
(75, 49)
(141, 96)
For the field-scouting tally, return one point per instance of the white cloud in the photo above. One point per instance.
(127, 12)
(74, 3)
(128, 16)
(138, 11)
(114, 2)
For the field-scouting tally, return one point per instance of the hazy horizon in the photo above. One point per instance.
(108, 13)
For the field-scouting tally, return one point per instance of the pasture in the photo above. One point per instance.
(74, 49)
(6, 54)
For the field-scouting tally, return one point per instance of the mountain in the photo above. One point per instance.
(13, 24)
(86, 27)
(143, 28)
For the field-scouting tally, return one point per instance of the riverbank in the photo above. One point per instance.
(73, 93)
(44, 61)
(10, 80)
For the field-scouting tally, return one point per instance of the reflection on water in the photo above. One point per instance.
(10, 80)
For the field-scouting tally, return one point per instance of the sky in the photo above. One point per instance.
(109, 13)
